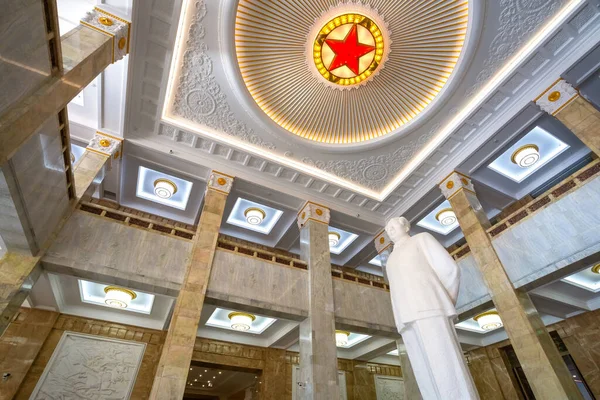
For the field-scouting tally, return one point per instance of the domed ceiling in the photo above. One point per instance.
(347, 72)
(359, 103)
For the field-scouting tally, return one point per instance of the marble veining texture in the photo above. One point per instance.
(14, 233)
(40, 173)
(472, 291)
(97, 249)
(254, 282)
(562, 233)
(318, 352)
(24, 55)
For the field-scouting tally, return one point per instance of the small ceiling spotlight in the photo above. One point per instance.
(596, 269)
(446, 217)
(489, 320)
(164, 188)
(254, 215)
(118, 297)
(241, 321)
(525, 156)
(334, 239)
(341, 338)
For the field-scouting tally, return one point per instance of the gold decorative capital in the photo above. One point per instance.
(313, 211)
(220, 182)
(554, 99)
(105, 144)
(118, 28)
(382, 242)
(454, 183)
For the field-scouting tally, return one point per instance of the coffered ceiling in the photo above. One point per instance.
(190, 98)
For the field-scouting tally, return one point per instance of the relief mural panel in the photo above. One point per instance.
(90, 367)
(389, 387)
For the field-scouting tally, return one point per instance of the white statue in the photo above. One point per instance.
(424, 281)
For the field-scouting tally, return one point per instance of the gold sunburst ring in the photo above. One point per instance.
(526, 155)
(348, 49)
(104, 142)
(554, 96)
(255, 215)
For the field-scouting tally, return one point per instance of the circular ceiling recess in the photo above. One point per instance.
(351, 72)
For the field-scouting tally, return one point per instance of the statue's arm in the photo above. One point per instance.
(443, 264)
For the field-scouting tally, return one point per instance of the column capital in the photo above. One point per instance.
(106, 145)
(313, 211)
(220, 182)
(111, 25)
(455, 182)
(556, 97)
(382, 241)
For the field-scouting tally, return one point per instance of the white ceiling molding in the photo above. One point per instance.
(561, 47)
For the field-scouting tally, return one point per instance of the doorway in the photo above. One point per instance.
(207, 381)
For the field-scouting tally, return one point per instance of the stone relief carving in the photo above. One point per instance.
(519, 19)
(199, 97)
(389, 388)
(90, 367)
(373, 172)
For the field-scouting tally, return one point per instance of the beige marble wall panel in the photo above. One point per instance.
(273, 384)
(584, 121)
(20, 345)
(24, 56)
(363, 306)
(483, 375)
(14, 228)
(364, 382)
(253, 282)
(39, 169)
(97, 249)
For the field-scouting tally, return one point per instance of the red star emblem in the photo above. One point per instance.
(348, 51)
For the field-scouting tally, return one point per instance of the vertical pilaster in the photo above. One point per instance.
(411, 388)
(545, 370)
(384, 247)
(318, 352)
(564, 102)
(100, 152)
(174, 364)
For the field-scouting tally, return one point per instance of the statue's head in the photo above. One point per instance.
(397, 228)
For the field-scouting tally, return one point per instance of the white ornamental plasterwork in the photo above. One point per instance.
(90, 367)
(518, 21)
(199, 97)
(374, 172)
(315, 212)
(105, 144)
(455, 182)
(220, 182)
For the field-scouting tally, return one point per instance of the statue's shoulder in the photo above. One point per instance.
(424, 235)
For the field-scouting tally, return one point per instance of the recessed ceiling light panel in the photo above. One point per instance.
(162, 188)
(588, 279)
(115, 297)
(346, 340)
(220, 318)
(341, 338)
(338, 244)
(441, 219)
(529, 154)
(254, 216)
(483, 323)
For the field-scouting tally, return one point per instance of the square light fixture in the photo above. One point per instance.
(588, 279)
(94, 293)
(528, 154)
(346, 340)
(254, 216)
(340, 239)
(440, 220)
(376, 261)
(162, 188)
(220, 318)
(483, 323)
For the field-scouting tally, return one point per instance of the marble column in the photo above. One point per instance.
(101, 152)
(545, 370)
(318, 351)
(174, 364)
(273, 379)
(384, 247)
(83, 54)
(564, 102)
(19, 271)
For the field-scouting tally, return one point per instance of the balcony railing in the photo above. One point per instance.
(568, 185)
